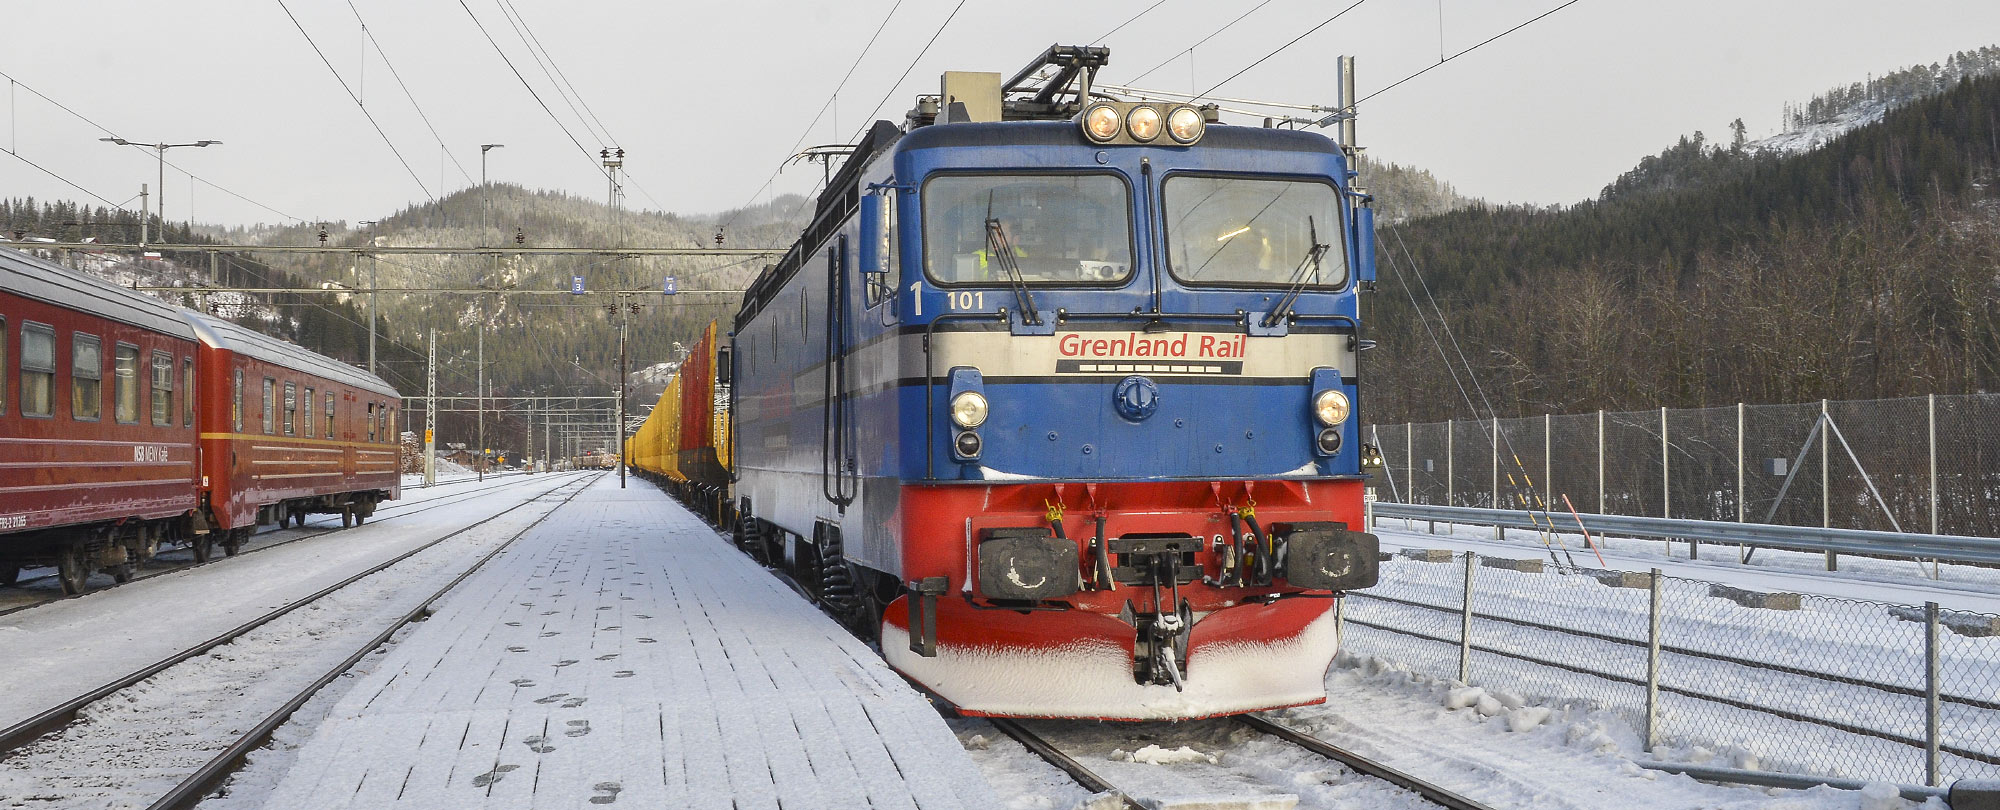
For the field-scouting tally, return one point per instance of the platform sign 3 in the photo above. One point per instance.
(576, 285)
(670, 286)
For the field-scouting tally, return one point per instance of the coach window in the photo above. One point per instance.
(236, 404)
(125, 384)
(3, 365)
(187, 391)
(306, 429)
(390, 417)
(371, 421)
(270, 405)
(86, 377)
(329, 414)
(291, 409)
(163, 389)
(38, 370)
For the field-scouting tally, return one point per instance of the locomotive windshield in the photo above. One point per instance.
(1235, 230)
(1051, 229)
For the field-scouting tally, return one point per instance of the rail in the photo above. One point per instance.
(1765, 535)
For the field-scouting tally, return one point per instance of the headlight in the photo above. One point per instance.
(1185, 124)
(1330, 406)
(1101, 123)
(1143, 123)
(968, 409)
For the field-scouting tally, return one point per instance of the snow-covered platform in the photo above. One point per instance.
(621, 653)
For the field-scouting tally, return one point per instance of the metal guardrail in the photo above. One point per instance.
(1767, 535)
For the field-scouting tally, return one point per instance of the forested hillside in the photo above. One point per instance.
(1865, 268)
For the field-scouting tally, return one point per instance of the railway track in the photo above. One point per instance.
(315, 528)
(147, 755)
(1097, 784)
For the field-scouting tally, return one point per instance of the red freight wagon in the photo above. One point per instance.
(287, 432)
(97, 424)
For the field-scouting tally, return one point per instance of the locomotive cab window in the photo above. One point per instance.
(1239, 231)
(38, 370)
(1041, 228)
(291, 409)
(163, 389)
(86, 377)
(270, 405)
(125, 384)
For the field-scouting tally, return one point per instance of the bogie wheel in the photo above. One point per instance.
(73, 569)
(360, 518)
(347, 517)
(10, 573)
(203, 546)
(233, 541)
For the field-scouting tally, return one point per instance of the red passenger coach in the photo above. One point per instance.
(97, 423)
(287, 432)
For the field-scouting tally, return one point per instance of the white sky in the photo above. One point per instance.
(708, 100)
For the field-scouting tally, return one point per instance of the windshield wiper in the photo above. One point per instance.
(1000, 250)
(1298, 281)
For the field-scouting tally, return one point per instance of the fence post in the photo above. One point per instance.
(1340, 625)
(1496, 462)
(1465, 624)
(1825, 483)
(1450, 477)
(1548, 471)
(1934, 481)
(1410, 459)
(1742, 495)
(1600, 461)
(1653, 665)
(1932, 757)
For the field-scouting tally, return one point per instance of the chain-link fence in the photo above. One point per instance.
(1784, 682)
(1924, 464)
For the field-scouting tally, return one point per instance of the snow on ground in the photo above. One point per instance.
(620, 653)
(63, 649)
(1960, 587)
(135, 745)
(1490, 747)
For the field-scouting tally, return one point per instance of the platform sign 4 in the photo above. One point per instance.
(670, 286)
(576, 285)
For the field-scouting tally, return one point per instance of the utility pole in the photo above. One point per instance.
(431, 411)
(479, 386)
(144, 220)
(366, 223)
(486, 191)
(623, 322)
(548, 438)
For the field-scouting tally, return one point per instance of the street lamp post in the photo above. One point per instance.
(484, 190)
(370, 225)
(160, 151)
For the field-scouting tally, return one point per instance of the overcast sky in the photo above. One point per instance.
(708, 99)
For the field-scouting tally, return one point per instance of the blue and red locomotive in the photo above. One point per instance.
(1059, 397)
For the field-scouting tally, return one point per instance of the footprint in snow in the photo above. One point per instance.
(628, 598)
(527, 604)
(552, 698)
(521, 683)
(513, 624)
(609, 627)
(517, 649)
(610, 791)
(549, 612)
(577, 728)
(623, 673)
(642, 615)
(565, 662)
(489, 777)
(539, 745)
(607, 656)
(606, 607)
(645, 641)
(574, 702)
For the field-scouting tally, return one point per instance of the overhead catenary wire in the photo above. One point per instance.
(552, 72)
(1481, 43)
(357, 101)
(531, 90)
(15, 82)
(1134, 18)
(831, 97)
(398, 76)
(1198, 43)
(1281, 48)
